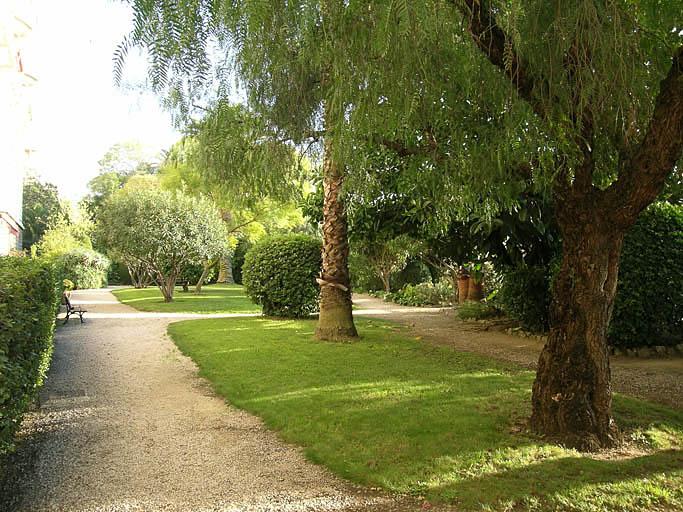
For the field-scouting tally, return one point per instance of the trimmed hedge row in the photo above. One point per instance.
(648, 307)
(279, 274)
(29, 299)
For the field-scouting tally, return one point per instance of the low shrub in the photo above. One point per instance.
(471, 310)
(524, 295)
(279, 274)
(29, 298)
(84, 267)
(648, 308)
(423, 294)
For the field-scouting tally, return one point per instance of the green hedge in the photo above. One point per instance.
(524, 295)
(29, 299)
(279, 274)
(648, 309)
(84, 267)
(241, 250)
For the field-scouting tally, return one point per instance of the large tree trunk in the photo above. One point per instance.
(336, 318)
(225, 271)
(572, 394)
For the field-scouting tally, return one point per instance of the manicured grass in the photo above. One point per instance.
(215, 298)
(413, 418)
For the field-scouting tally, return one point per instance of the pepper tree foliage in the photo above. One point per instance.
(162, 232)
(248, 208)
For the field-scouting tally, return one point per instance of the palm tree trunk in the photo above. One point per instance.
(336, 317)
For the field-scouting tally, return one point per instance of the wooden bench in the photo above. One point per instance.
(71, 310)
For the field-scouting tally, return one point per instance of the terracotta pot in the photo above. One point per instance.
(463, 288)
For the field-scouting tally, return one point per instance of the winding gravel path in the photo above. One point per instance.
(125, 424)
(659, 379)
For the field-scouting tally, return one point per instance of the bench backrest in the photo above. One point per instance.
(67, 302)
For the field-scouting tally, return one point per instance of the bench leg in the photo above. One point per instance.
(66, 320)
(81, 317)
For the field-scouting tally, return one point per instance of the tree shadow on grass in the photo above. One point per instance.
(544, 480)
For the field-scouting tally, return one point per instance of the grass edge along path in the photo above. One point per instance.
(215, 298)
(413, 418)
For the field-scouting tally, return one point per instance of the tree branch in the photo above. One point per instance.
(645, 173)
(499, 49)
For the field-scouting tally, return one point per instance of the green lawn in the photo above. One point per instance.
(390, 411)
(215, 298)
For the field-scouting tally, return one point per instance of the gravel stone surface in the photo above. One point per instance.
(659, 379)
(125, 424)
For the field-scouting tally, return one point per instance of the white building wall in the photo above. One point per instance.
(16, 98)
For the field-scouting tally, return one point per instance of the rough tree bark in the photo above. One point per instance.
(225, 271)
(336, 318)
(572, 395)
(571, 399)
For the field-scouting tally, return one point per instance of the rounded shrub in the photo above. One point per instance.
(279, 274)
(84, 267)
(648, 308)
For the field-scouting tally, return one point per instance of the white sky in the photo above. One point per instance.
(78, 112)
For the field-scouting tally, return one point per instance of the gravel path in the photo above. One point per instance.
(125, 424)
(659, 380)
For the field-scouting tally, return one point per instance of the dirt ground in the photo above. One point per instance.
(657, 379)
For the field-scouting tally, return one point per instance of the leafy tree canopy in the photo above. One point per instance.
(163, 231)
(41, 208)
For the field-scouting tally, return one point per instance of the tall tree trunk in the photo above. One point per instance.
(572, 394)
(225, 271)
(336, 318)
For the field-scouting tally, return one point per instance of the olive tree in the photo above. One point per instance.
(161, 232)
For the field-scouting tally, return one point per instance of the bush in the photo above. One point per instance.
(29, 298)
(118, 274)
(415, 272)
(241, 250)
(363, 276)
(279, 274)
(524, 295)
(471, 310)
(648, 308)
(424, 294)
(85, 267)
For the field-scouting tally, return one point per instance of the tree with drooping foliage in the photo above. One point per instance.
(288, 57)
(585, 99)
